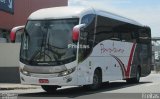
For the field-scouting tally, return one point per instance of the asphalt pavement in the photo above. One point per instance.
(148, 88)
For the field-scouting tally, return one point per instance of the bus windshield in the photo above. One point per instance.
(46, 42)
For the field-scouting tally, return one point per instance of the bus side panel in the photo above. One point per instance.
(113, 57)
(84, 73)
(110, 69)
(121, 55)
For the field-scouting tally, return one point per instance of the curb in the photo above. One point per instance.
(17, 87)
(155, 72)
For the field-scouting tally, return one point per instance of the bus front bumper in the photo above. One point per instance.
(69, 80)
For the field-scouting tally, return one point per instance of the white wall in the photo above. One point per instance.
(9, 54)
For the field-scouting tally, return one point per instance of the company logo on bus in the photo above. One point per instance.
(80, 46)
(110, 50)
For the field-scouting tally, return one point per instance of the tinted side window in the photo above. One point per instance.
(105, 29)
(128, 36)
(89, 21)
(86, 39)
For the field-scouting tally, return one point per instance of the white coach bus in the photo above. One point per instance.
(69, 46)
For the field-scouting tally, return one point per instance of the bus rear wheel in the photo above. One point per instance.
(49, 88)
(135, 79)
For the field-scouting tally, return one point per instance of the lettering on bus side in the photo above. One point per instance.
(110, 50)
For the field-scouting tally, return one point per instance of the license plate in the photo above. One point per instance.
(43, 81)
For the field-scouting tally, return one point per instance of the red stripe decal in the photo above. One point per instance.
(127, 72)
(121, 65)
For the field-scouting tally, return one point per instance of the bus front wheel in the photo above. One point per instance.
(49, 88)
(97, 80)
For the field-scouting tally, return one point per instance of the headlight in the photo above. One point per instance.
(67, 72)
(24, 72)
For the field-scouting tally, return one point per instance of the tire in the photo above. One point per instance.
(49, 89)
(135, 79)
(97, 81)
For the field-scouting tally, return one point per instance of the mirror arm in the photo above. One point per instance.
(13, 32)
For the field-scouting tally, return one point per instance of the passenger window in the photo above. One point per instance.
(86, 40)
(126, 37)
(115, 36)
(107, 36)
(88, 19)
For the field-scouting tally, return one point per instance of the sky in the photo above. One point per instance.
(146, 12)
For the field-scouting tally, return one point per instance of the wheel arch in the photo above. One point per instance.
(99, 69)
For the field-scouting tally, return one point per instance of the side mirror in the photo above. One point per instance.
(76, 32)
(14, 31)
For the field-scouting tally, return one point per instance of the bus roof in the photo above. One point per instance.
(75, 12)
